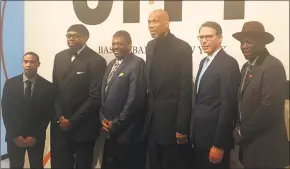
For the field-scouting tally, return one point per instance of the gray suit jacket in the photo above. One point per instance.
(262, 116)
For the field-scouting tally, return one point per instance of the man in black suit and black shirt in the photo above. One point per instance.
(77, 73)
(169, 83)
(27, 107)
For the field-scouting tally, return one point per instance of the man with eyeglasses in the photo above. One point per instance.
(27, 107)
(77, 73)
(215, 103)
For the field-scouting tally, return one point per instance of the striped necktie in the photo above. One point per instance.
(112, 73)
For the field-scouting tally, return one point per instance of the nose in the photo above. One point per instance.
(244, 45)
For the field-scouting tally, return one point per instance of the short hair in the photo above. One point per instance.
(32, 54)
(80, 28)
(125, 35)
(212, 25)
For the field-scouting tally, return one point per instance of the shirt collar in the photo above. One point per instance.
(33, 80)
(81, 49)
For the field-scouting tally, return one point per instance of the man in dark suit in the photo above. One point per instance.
(77, 73)
(169, 84)
(215, 103)
(27, 107)
(261, 131)
(123, 107)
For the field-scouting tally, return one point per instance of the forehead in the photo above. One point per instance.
(154, 15)
(207, 31)
(119, 39)
(29, 57)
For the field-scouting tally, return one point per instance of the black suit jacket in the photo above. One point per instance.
(170, 102)
(34, 121)
(79, 92)
(125, 101)
(215, 105)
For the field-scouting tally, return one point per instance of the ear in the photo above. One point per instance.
(86, 38)
(220, 38)
(38, 64)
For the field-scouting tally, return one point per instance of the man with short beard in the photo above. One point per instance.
(77, 73)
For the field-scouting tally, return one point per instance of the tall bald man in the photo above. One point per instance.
(169, 81)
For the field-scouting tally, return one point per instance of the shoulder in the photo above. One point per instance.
(13, 79)
(273, 64)
(62, 53)
(226, 57)
(181, 44)
(138, 60)
(93, 55)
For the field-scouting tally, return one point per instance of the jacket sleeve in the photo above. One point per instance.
(185, 95)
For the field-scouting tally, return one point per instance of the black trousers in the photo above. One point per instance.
(17, 155)
(123, 156)
(201, 160)
(169, 156)
(78, 155)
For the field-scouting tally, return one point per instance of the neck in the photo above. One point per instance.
(30, 76)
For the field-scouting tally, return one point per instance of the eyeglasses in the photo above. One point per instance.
(73, 36)
(206, 37)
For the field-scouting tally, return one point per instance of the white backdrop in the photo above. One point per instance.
(46, 24)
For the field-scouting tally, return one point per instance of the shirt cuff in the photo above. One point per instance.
(239, 131)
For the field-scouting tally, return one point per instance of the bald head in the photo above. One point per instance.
(158, 23)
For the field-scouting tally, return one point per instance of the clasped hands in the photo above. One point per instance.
(106, 125)
(23, 143)
(64, 123)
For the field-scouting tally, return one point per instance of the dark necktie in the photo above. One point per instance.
(246, 72)
(28, 89)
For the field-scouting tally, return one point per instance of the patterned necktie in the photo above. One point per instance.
(205, 63)
(245, 80)
(112, 73)
(27, 93)
(246, 77)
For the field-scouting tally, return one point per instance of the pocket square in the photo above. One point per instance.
(121, 74)
(80, 73)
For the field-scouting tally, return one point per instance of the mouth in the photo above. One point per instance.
(247, 52)
(116, 52)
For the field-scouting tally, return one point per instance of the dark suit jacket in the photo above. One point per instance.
(125, 101)
(171, 100)
(79, 92)
(216, 103)
(33, 122)
(265, 143)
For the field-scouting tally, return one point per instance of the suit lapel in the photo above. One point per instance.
(110, 66)
(253, 72)
(211, 66)
(196, 79)
(36, 90)
(69, 72)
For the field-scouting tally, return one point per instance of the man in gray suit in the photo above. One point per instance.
(261, 131)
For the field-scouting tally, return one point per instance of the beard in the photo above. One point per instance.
(75, 48)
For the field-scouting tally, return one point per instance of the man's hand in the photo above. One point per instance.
(63, 123)
(181, 139)
(30, 141)
(216, 155)
(106, 125)
(19, 142)
(238, 138)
